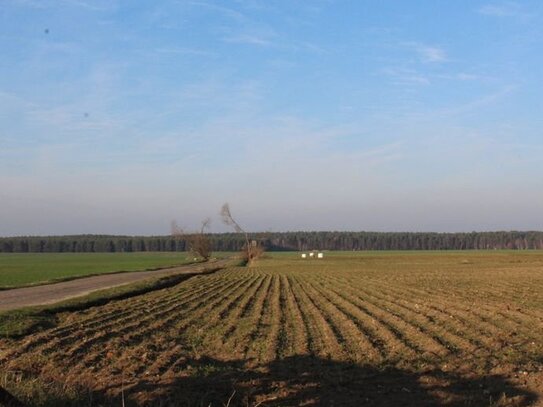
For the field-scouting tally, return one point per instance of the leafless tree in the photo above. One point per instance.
(198, 242)
(252, 249)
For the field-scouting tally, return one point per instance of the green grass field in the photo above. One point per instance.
(22, 269)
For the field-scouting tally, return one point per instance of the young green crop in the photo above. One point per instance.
(22, 269)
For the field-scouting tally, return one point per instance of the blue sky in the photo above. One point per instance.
(119, 116)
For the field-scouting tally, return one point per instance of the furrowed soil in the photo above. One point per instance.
(375, 329)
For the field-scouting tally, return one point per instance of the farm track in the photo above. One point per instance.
(264, 314)
(52, 293)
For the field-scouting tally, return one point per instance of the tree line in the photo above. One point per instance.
(279, 241)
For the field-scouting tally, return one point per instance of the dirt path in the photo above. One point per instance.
(51, 293)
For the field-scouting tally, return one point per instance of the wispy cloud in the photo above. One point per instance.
(184, 51)
(88, 5)
(404, 76)
(159, 93)
(478, 103)
(466, 76)
(225, 11)
(432, 54)
(312, 47)
(12, 99)
(249, 39)
(503, 9)
(28, 3)
(462, 76)
(94, 5)
(428, 53)
(274, 41)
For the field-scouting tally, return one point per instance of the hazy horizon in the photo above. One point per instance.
(118, 117)
(287, 231)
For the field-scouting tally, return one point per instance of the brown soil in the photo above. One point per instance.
(282, 336)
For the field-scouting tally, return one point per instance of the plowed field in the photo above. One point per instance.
(416, 329)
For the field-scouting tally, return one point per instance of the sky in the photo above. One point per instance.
(120, 116)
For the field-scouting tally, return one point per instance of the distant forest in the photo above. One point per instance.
(281, 241)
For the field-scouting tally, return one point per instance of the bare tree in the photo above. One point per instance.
(198, 242)
(251, 250)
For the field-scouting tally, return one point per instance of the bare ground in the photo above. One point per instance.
(329, 334)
